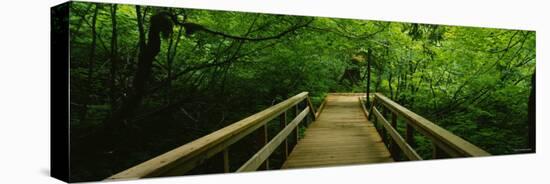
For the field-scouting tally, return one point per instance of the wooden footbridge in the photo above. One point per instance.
(337, 133)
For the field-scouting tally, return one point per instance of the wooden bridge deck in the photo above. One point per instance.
(341, 135)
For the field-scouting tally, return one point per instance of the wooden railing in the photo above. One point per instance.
(444, 143)
(184, 158)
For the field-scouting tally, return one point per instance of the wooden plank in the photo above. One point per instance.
(331, 149)
(406, 148)
(253, 163)
(353, 146)
(315, 157)
(186, 157)
(362, 156)
(346, 94)
(226, 160)
(449, 142)
(341, 135)
(320, 163)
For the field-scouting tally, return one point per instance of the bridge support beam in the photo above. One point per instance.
(262, 141)
(394, 149)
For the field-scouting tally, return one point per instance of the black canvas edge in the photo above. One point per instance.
(60, 84)
(59, 92)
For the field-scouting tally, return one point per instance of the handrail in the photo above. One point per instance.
(253, 163)
(442, 139)
(406, 148)
(320, 109)
(186, 157)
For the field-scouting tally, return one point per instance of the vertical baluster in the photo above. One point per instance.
(297, 130)
(294, 133)
(437, 152)
(262, 141)
(371, 109)
(311, 110)
(226, 160)
(374, 117)
(282, 124)
(410, 135)
(306, 119)
(383, 130)
(394, 148)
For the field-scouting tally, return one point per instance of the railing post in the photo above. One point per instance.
(282, 124)
(311, 109)
(394, 149)
(296, 131)
(410, 135)
(262, 141)
(383, 130)
(226, 160)
(306, 119)
(374, 118)
(217, 144)
(446, 144)
(436, 151)
(371, 107)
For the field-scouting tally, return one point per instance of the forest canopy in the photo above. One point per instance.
(144, 80)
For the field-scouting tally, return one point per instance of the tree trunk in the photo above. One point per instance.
(169, 69)
(92, 49)
(81, 20)
(369, 61)
(531, 119)
(390, 78)
(141, 30)
(91, 60)
(172, 51)
(399, 80)
(379, 72)
(158, 23)
(114, 58)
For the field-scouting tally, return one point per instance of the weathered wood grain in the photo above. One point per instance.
(447, 141)
(254, 163)
(184, 158)
(341, 135)
(406, 148)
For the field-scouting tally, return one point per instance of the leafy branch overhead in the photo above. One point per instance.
(191, 28)
(145, 80)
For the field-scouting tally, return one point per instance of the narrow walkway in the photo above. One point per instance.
(342, 135)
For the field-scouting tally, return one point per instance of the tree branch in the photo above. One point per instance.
(191, 28)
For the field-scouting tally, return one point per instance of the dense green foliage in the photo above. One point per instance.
(475, 82)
